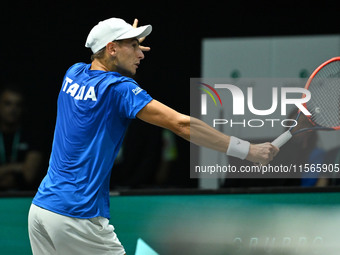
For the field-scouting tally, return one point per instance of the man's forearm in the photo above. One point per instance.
(200, 133)
(204, 135)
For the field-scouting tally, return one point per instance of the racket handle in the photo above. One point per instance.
(282, 139)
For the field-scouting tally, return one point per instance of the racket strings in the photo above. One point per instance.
(324, 104)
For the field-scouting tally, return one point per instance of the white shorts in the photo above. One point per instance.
(54, 234)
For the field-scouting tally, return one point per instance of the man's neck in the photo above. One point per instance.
(100, 65)
(104, 65)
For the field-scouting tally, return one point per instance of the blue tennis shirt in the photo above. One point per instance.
(94, 110)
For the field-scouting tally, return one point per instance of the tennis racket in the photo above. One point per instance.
(324, 105)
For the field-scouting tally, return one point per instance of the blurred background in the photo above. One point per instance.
(42, 39)
(153, 196)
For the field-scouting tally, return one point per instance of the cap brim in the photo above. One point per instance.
(138, 32)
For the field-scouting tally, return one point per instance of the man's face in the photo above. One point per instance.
(128, 56)
(10, 107)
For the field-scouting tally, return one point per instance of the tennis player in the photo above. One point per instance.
(70, 213)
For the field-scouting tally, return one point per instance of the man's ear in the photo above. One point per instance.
(111, 48)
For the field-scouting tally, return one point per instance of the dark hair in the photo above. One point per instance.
(101, 52)
(98, 54)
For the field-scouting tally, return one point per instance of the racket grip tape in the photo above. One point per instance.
(282, 139)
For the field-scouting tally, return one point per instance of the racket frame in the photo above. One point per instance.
(287, 135)
(315, 126)
(311, 77)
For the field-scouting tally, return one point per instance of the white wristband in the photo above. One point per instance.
(238, 148)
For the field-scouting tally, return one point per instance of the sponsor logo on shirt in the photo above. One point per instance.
(137, 90)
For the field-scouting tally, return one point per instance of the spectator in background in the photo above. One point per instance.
(169, 156)
(20, 158)
(145, 150)
(154, 153)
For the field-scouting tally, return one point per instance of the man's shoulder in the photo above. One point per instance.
(120, 78)
(125, 84)
(76, 67)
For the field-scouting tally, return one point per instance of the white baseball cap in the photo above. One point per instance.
(113, 29)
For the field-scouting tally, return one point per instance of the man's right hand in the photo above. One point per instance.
(262, 153)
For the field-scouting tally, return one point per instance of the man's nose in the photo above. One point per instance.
(140, 54)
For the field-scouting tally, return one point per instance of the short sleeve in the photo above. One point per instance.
(129, 99)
